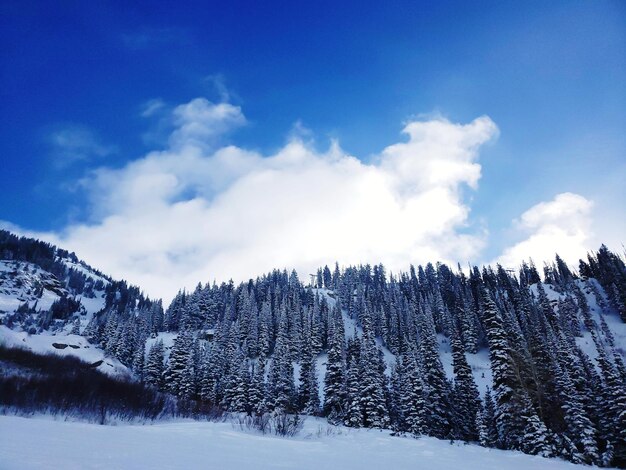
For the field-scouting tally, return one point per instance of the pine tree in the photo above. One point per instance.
(465, 399)
(188, 385)
(179, 356)
(413, 406)
(334, 380)
(212, 371)
(241, 400)
(354, 413)
(265, 329)
(536, 439)
(308, 390)
(372, 380)
(281, 386)
(580, 430)
(110, 335)
(436, 386)
(518, 425)
(396, 416)
(328, 280)
(139, 359)
(488, 432)
(126, 343)
(316, 329)
(154, 367)
(257, 395)
(175, 311)
(613, 409)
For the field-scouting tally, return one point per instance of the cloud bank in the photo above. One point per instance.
(199, 211)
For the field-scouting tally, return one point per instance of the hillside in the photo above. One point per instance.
(48, 298)
(508, 360)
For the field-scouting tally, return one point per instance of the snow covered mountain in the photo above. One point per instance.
(508, 360)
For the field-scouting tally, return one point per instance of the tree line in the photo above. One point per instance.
(277, 344)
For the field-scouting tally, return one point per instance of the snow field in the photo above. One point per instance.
(203, 445)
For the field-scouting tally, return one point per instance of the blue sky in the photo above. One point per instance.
(86, 86)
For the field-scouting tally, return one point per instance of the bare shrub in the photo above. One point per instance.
(284, 424)
(278, 423)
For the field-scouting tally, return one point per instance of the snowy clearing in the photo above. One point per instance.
(190, 445)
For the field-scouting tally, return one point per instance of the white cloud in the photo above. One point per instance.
(193, 212)
(199, 122)
(219, 84)
(562, 225)
(73, 143)
(151, 107)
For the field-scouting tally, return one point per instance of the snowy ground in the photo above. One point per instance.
(35, 443)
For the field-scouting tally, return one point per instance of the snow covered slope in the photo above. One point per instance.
(168, 340)
(63, 345)
(479, 362)
(22, 282)
(601, 312)
(351, 327)
(25, 282)
(202, 445)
